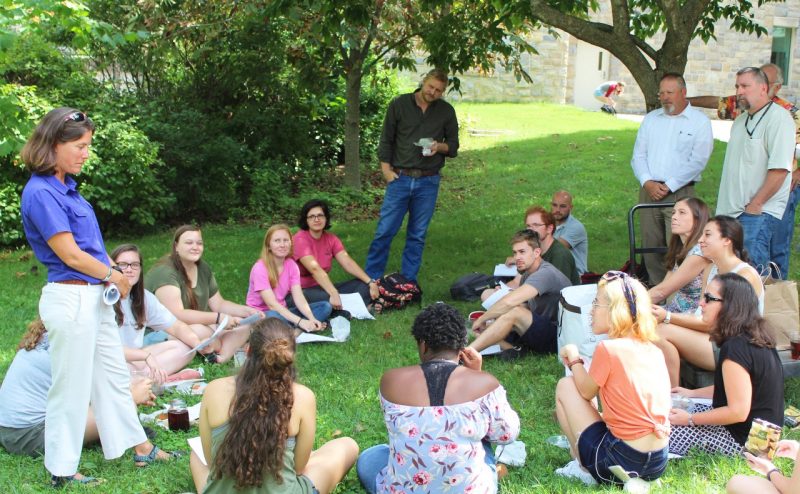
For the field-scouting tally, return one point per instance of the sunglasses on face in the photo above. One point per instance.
(75, 116)
(710, 298)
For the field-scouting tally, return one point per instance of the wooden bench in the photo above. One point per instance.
(694, 377)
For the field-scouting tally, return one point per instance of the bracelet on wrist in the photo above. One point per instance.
(578, 360)
(108, 276)
(217, 321)
(769, 474)
(668, 317)
(690, 421)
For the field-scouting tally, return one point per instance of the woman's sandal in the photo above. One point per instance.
(151, 457)
(57, 482)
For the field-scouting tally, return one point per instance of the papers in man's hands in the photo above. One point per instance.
(197, 446)
(504, 270)
(217, 333)
(340, 328)
(501, 292)
(354, 304)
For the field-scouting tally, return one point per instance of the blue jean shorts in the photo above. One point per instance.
(599, 449)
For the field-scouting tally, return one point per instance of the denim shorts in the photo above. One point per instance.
(599, 449)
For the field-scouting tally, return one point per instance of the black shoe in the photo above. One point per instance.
(340, 312)
(513, 353)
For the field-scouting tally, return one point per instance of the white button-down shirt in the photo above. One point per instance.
(672, 149)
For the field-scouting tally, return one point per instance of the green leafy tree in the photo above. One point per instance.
(352, 39)
(636, 22)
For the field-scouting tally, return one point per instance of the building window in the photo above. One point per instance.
(782, 50)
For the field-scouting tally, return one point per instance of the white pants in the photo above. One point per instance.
(88, 366)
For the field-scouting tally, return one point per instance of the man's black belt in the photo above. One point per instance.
(415, 172)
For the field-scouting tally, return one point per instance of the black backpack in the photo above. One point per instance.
(396, 291)
(470, 286)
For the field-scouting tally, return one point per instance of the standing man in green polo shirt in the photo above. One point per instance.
(419, 131)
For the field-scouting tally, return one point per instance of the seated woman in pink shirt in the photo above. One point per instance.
(315, 248)
(274, 276)
(630, 377)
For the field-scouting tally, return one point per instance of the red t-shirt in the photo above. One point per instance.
(323, 249)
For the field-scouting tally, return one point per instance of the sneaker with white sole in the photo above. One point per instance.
(574, 470)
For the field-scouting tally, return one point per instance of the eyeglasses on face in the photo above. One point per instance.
(313, 217)
(710, 298)
(133, 265)
(75, 116)
(535, 225)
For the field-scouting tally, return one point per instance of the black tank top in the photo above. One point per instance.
(436, 373)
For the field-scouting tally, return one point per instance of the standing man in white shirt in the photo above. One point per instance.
(671, 151)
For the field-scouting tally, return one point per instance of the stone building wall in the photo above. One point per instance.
(710, 69)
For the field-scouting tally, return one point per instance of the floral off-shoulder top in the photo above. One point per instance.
(439, 449)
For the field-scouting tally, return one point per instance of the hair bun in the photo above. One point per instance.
(278, 353)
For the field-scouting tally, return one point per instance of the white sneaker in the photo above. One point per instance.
(574, 470)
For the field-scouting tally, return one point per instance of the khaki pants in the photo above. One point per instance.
(88, 365)
(656, 231)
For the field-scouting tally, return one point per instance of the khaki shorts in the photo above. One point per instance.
(27, 441)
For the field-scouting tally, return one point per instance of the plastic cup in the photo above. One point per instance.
(239, 357)
(794, 341)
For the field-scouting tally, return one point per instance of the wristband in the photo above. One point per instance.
(576, 361)
(691, 421)
(108, 276)
(769, 474)
(217, 321)
(668, 317)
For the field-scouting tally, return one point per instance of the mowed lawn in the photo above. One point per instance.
(534, 150)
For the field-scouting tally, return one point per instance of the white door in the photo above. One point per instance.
(591, 70)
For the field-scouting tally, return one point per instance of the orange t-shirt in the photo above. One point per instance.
(634, 387)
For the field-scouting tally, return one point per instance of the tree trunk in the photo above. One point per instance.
(352, 131)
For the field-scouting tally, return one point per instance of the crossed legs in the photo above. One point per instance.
(518, 319)
(678, 343)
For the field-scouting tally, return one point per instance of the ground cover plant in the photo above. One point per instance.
(541, 148)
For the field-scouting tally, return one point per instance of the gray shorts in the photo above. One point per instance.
(26, 441)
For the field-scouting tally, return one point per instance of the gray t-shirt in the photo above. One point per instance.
(574, 233)
(23, 395)
(548, 281)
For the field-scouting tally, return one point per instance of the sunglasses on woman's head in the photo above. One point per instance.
(627, 289)
(75, 116)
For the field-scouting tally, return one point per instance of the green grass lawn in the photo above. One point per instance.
(483, 196)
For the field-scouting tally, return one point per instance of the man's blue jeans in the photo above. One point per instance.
(782, 235)
(758, 235)
(417, 197)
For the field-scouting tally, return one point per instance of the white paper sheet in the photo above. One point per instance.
(340, 327)
(197, 447)
(501, 292)
(354, 304)
(217, 333)
(491, 350)
(503, 270)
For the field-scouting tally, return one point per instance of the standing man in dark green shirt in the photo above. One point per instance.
(419, 131)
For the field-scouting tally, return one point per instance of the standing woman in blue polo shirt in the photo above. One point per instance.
(88, 364)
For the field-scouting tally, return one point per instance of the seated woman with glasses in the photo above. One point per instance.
(274, 276)
(628, 374)
(185, 284)
(686, 266)
(686, 336)
(748, 379)
(441, 416)
(140, 310)
(315, 248)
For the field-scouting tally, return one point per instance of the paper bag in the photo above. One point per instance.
(781, 308)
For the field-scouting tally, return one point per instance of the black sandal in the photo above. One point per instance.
(153, 457)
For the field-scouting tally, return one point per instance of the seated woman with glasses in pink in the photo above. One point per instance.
(629, 375)
(315, 248)
(748, 379)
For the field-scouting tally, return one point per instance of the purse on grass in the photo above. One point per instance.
(781, 306)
